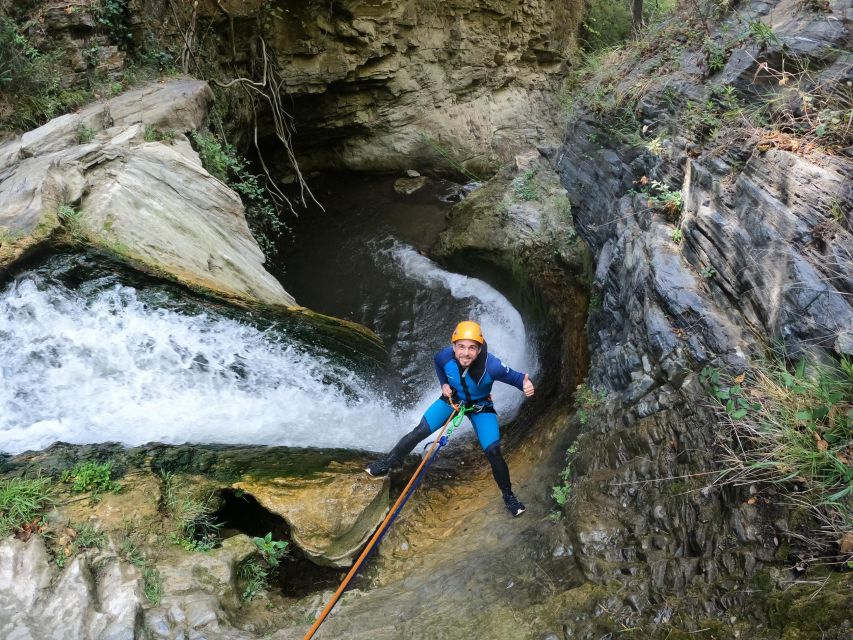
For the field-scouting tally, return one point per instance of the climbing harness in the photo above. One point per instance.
(452, 423)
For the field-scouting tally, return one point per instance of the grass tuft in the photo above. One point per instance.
(194, 526)
(91, 476)
(793, 428)
(22, 501)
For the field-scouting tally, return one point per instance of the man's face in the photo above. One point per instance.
(465, 351)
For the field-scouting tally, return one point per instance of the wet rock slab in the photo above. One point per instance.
(321, 497)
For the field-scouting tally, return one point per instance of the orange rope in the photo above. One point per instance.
(357, 564)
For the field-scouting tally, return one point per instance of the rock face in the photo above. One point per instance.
(138, 580)
(517, 231)
(331, 514)
(385, 86)
(93, 175)
(765, 259)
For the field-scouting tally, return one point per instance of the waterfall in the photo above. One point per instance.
(108, 365)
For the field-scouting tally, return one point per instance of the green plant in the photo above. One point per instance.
(153, 134)
(715, 56)
(587, 399)
(61, 557)
(448, 156)
(659, 195)
(762, 33)
(131, 551)
(223, 161)
(256, 578)
(30, 78)
(256, 571)
(84, 133)
(271, 550)
(7, 236)
(91, 476)
(88, 537)
(708, 272)
(726, 97)
(562, 491)
(655, 146)
(22, 500)
(608, 22)
(524, 187)
(114, 16)
(68, 213)
(836, 210)
(676, 235)
(792, 428)
(152, 584)
(596, 299)
(193, 518)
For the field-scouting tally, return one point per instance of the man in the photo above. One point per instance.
(466, 371)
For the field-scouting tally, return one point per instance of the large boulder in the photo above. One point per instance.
(93, 177)
(331, 513)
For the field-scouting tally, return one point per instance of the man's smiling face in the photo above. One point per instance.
(466, 351)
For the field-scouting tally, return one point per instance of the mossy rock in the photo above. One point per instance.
(814, 609)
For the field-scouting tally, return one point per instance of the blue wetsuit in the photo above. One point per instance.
(471, 386)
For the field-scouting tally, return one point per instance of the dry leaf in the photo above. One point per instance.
(752, 500)
(846, 543)
(739, 379)
(644, 180)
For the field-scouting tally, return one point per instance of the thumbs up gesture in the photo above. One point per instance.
(527, 386)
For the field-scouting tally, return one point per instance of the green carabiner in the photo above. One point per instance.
(457, 420)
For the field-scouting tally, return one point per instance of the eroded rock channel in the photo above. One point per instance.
(688, 214)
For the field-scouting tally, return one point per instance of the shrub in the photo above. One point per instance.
(587, 399)
(30, 81)
(793, 429)
(524, 187)
(222, 161)
(22, 501)
(84, 133)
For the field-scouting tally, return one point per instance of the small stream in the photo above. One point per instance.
(103, 360)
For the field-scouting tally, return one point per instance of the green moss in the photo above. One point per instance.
(814, 609)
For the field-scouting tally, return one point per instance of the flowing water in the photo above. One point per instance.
(107, 361)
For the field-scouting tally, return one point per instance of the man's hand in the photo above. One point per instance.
(447, 391)
(527, 387)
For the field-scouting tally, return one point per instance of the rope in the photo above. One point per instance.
(415, 481)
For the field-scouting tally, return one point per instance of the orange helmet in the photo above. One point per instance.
(468, 330)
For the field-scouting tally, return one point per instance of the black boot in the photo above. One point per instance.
(382, 466)
(513, 504)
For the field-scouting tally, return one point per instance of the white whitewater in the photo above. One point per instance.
(112, 368)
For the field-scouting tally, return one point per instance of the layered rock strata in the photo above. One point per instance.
(765, 260)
